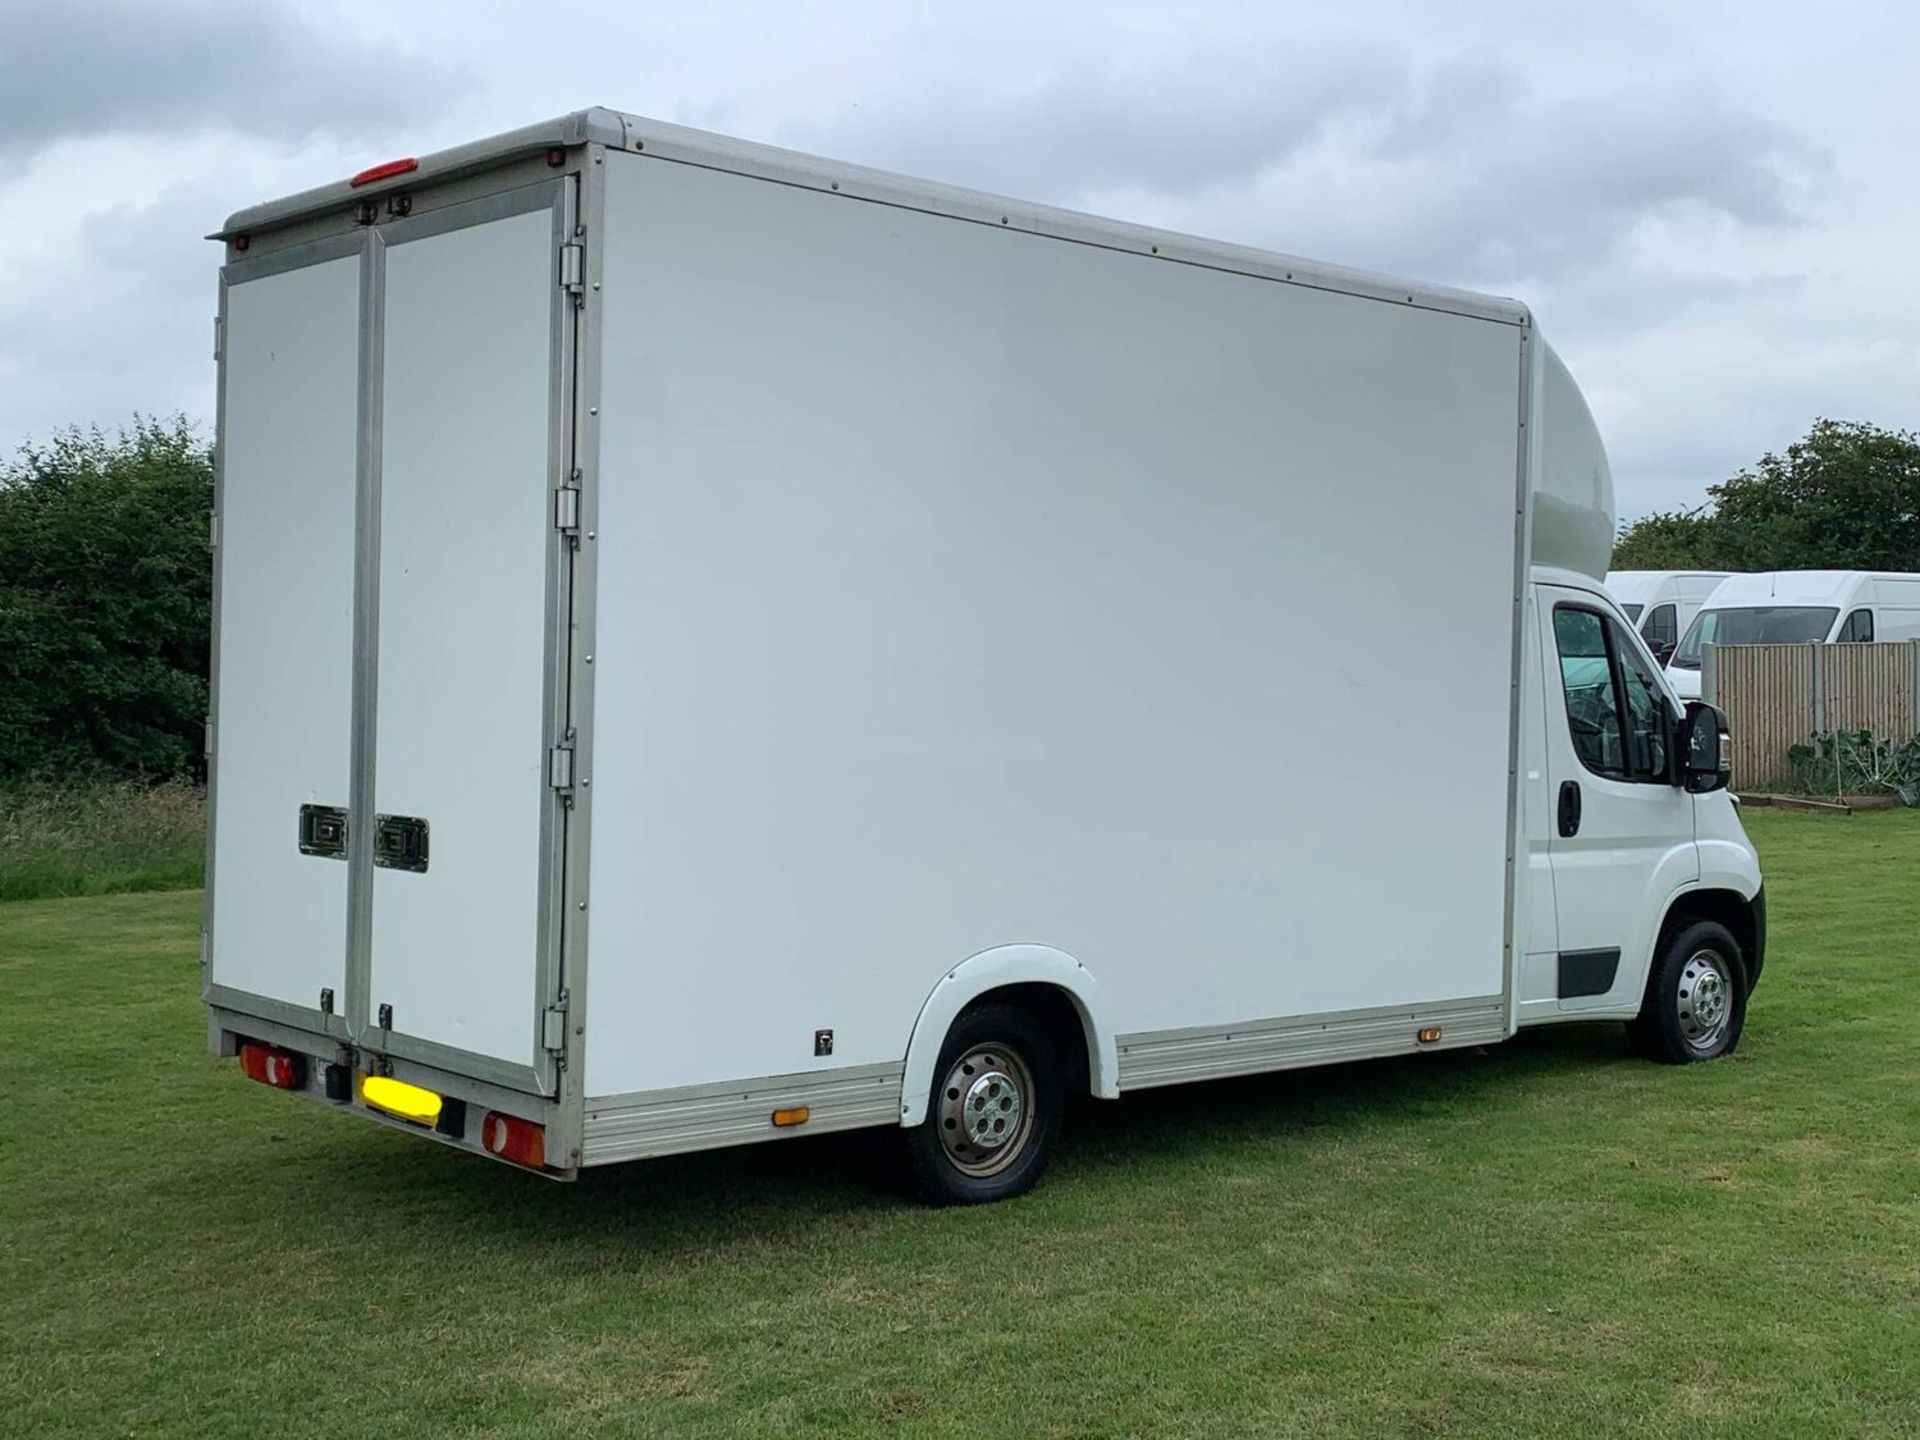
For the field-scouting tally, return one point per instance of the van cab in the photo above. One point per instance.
(1630, 852)
(1797, 607)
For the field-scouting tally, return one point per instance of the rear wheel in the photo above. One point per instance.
(994, 1111)
(1696, 1001)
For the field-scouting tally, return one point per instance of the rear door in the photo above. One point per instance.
(284, 596)
(471, 576)
(390, 677)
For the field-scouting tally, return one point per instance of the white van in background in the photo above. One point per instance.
(1662, 603)
(1797, 607)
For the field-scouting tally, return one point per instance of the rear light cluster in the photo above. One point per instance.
(511, 1138)
(283, 1069)
(524, 1142)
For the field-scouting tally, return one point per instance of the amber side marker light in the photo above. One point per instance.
(1429, 1035)
(511, 1138)
(282, 1069)
(798, 1115)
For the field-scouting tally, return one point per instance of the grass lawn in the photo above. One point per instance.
(1550, 1236)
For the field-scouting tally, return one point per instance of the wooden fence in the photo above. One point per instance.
(1776, 696)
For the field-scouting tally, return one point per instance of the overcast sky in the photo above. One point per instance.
(1712, 208)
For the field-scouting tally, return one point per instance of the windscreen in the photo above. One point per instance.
(1760, 625)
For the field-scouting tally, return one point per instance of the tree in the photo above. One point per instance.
(1846, 497)
(105, 592)
(1673, 540)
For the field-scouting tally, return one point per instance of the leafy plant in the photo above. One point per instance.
(1858, 762)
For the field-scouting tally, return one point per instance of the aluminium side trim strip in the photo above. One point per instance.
(581, 419)
(279, 1012)
(1512, 945)
(1213, 1052)
(738, 1112)
(363, 731)
(211, 743)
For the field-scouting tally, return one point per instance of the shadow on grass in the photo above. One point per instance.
(779, 1194)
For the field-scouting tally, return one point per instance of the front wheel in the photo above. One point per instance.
(1696, 1001)
(993, 1114)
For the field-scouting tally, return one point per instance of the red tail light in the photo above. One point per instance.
(283, 1069)
(511, 1138)
(384, 172)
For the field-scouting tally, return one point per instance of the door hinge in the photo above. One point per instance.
(553, 1028)
(218, 327)
(566, 510)
(560, 767)
(573, 268)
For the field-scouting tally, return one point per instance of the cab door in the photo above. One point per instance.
(1621, 839)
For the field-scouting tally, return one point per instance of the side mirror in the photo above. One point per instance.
(1705, 749)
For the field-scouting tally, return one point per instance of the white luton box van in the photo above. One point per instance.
(714, 645)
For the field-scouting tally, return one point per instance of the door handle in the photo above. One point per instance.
(1569, 808)
(323, 831)
(400, 842)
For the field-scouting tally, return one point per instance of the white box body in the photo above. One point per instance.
(797, 601)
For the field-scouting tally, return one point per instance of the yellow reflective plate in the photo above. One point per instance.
(396, 1097)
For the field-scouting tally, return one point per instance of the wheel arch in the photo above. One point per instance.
(1743, 916)
(1046, 981)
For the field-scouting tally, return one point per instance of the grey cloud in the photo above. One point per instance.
(133, 331)
(1179, 125)
(92, 67)
(1625, 146)
(1503, 189)
(1454, 172)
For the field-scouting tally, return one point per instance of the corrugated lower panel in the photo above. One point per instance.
(1172, 1056)
(706, 1117)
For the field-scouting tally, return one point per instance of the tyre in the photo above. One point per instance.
(1696, 1001)
(994, 1111)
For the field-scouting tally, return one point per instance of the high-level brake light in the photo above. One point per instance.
(385, 171)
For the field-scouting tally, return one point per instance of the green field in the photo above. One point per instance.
(1547, 1237)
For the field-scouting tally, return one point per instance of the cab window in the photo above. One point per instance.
(1648, 721)
(1858, 627)
(1616, 712)
(1662, 629)
(1593, 704)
